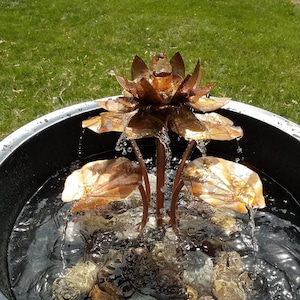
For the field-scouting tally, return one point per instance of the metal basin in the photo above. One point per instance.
(32, 154)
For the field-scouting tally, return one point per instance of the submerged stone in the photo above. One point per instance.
(230, 280)
(77, 281)
(198, 272)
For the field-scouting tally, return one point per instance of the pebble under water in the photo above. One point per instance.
(219, 255)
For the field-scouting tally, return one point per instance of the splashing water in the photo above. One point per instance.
(165, 141)
(121, 144)
(201, 146)
(81, 137)
(239, 151)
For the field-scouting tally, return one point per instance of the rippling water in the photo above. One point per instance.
(46, 241)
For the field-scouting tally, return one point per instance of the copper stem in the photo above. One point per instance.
(178, 184)
(145, 208)
(185, 156)
(173, 207)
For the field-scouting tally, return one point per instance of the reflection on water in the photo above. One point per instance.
(261, 262)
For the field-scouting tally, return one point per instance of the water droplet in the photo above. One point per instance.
(80, 142)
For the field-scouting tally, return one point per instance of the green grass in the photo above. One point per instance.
(57, 53)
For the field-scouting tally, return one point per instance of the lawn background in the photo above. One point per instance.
(54, 53)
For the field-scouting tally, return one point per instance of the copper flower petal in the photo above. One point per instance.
(190, 81)
(128, 86)
(146, 93)
(182, 91)
(123, 82)
(185, 124)
(166, 86)
(101, 182)
(108, 121)
(120, 104)
(208, 104)
(185, 89)
(177, 64)
(144, 124)
(139, 69)
(160, 64)
(223, 183)
(219, 127)
(198, 79)
(200, 92)
(162, 83)
(196, 76)
(93, 123)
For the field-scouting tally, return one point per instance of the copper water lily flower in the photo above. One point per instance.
(161, 96)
